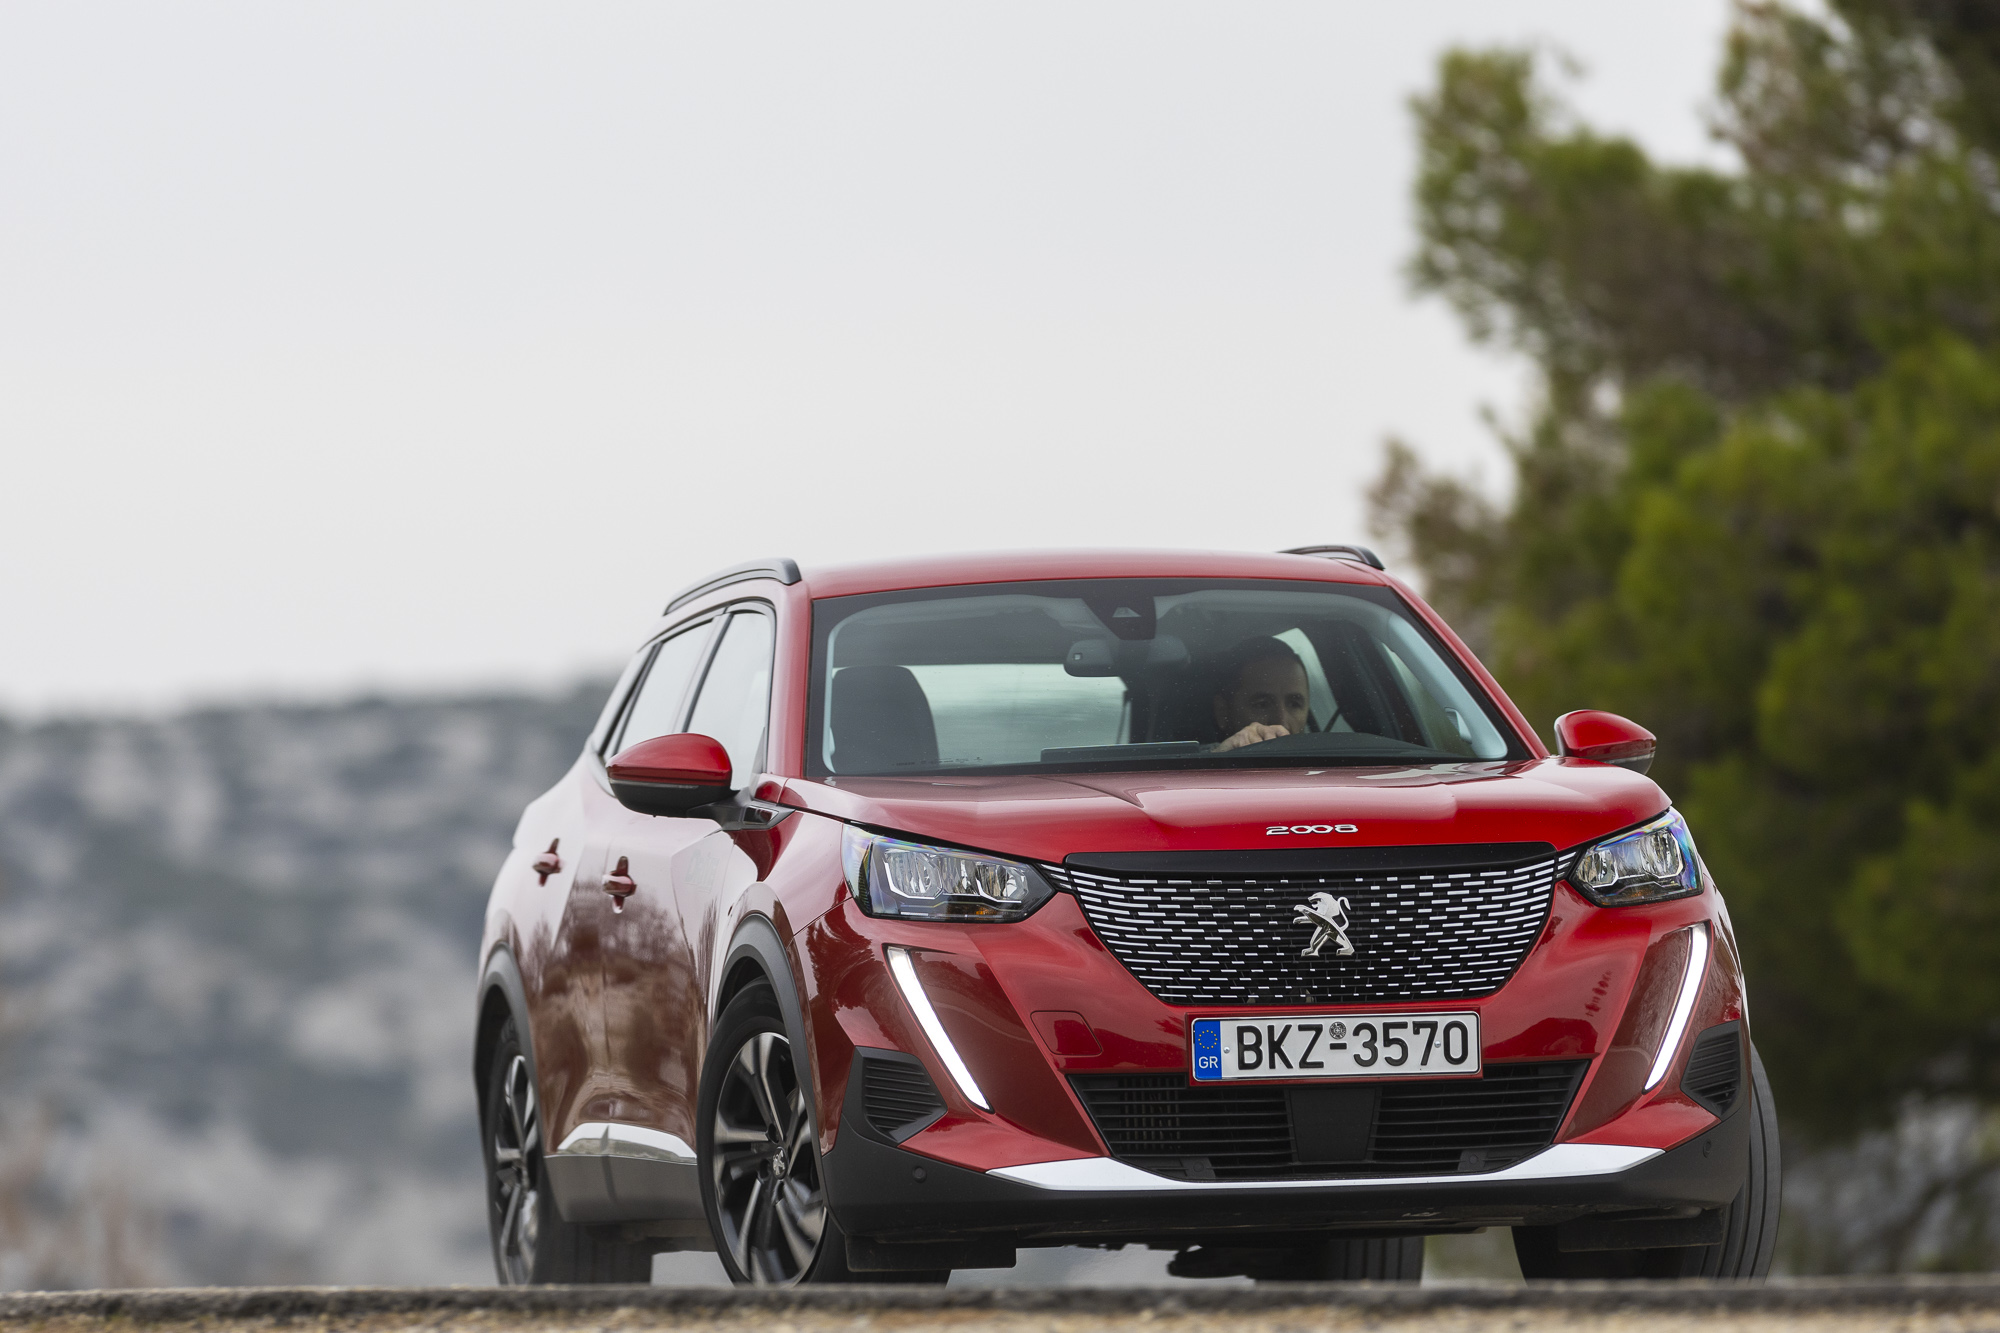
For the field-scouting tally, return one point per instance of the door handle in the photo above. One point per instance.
(620, 884)
(548, 863)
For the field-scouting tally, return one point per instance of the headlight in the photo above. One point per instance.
(1650, 864)
(889, 877)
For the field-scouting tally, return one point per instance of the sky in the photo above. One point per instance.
(423, 346)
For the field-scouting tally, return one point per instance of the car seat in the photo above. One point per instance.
(880, 721)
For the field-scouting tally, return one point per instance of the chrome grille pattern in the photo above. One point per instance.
(1230, 939)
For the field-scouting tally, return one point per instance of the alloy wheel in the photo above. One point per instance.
(768, 1192)
(517, 1149)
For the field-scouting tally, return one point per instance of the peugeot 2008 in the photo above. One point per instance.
(895, 917)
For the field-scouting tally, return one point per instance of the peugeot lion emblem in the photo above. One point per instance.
(1327, 915)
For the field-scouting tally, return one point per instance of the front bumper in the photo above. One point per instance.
(1032, 1167)
(888, 1193)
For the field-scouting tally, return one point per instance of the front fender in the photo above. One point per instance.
(757, 943)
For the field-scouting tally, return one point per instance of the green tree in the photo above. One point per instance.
(1758, 507)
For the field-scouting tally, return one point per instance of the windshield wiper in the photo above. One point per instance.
(1083, 754)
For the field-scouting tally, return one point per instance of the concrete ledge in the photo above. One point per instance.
(1814, 1297)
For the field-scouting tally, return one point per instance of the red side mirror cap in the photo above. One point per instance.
(670, 775)
(1605, 738)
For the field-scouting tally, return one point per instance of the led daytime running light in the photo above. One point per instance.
(1697, 968)
(904, 970)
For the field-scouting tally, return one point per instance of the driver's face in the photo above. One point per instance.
(1272, 691)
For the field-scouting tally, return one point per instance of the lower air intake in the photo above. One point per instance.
(1159, 1123)
(1715, 1068)
(897, 1096)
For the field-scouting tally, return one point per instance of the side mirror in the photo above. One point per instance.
(670, 775)
(1606, 738)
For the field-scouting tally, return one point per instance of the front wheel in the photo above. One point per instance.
(1749, 1223)
(761, 1182)
(760, 1178)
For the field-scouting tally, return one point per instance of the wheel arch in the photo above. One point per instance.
(501, 995)
(757, 953)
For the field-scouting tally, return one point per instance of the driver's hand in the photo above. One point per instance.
(1251, 735)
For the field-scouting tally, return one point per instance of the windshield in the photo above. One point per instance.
(1141, 673)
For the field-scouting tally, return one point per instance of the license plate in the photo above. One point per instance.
(1349, 1046)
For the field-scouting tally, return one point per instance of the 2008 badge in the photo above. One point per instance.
(1277, 830)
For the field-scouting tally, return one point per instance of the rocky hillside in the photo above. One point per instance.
(236, 957)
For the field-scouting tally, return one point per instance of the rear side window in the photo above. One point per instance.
(656, 711)
(735, 698)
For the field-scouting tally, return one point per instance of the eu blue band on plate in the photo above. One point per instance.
(1207, 1048)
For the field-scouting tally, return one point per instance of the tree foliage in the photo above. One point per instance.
(1758, 508)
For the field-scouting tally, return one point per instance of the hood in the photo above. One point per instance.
(1047, 818)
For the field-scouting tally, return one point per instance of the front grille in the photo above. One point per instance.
(1161, 1123)
(897, 1096)
(1427, 923)
(1715, 1068)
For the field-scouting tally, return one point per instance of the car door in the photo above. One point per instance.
(606, 1118)
(655, 953)
(558, 920)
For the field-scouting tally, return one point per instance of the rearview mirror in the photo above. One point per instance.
(1605, 738)
(1119, 657)
(670, 775)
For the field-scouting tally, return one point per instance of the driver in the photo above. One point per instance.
(1263, 696)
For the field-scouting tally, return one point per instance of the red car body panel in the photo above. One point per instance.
(1559, 801)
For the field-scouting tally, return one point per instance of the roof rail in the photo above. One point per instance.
(784, 571)
(1339, 552)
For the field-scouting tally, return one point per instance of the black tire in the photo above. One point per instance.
(1749, 1223)
(761, 1181)
(531, 1241)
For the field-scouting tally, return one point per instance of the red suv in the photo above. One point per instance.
(897, 916)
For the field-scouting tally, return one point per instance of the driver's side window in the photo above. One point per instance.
(661, 701)
(735, 696)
